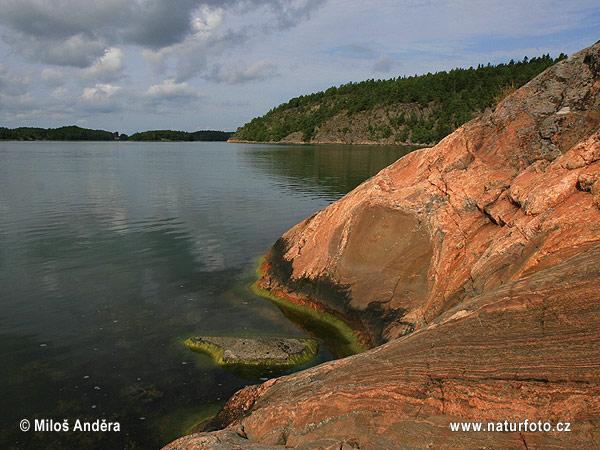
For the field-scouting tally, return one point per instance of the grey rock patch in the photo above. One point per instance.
(244, 350)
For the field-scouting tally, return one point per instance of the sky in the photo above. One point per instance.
(135, 65)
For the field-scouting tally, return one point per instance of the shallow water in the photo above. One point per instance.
(111, 254)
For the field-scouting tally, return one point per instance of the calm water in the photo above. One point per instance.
(111, 254)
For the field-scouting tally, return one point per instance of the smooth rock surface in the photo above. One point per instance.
(474, 266)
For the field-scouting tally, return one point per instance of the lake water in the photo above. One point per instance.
(111, 254)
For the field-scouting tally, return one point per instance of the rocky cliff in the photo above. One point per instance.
(473, 269)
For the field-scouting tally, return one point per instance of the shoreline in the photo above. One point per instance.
(349, 339)
(362, 143)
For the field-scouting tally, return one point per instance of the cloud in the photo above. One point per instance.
(218, 46)
(205, 21)
(11, 84)
(358, 50)
(288, 13)
(101, 99)
(159, 24)
(60, 92)
(169, 90)
(108, 67)
(384, 64)
(53, 77)
(259, 71)
(191, 57)
(76, 51)
(149, 23)
(17, 103)
(182, 39)
(99, 92)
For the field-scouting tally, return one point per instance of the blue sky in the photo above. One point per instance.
(133, 65)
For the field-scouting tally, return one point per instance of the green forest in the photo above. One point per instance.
(71, 133)
(417, 109)
(170, 135)
(75, 133)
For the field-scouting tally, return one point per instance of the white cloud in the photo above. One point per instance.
(205, 21)
(99, 92)
(102, 99)
(171, 90)
(108, 67)
(60, 92)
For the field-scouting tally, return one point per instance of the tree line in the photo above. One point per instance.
(418, 109)
(170, 135)
(71, 133)
(75, 133)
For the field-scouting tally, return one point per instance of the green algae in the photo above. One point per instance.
(336, 335)
(185, 421)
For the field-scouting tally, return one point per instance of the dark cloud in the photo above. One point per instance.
(45, 20)
(289, 13)
(191, 57)
(151, 24)
(160, 23)
(76, 51)
(179, 38)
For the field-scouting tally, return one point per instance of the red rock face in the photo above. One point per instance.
(475, 266)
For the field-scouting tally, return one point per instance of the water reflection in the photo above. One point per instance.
(325, 171)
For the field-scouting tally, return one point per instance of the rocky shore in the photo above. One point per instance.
(472, 270)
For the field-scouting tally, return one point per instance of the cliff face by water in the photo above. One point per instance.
(473, 267)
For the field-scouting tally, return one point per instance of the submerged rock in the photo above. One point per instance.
(267, 352)
(474, 267)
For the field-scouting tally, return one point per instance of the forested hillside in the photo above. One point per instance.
(404, 110)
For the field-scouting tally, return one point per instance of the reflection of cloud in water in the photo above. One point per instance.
(4, 207)
(117, 220)
(207, 252)
(50, 281)
(106, 200)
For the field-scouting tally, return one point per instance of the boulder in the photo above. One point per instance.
(255, 352)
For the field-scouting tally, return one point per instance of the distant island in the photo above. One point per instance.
(75, 133)
(415, 110)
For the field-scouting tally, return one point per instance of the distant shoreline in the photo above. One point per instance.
(75, 133)
(101, 140)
